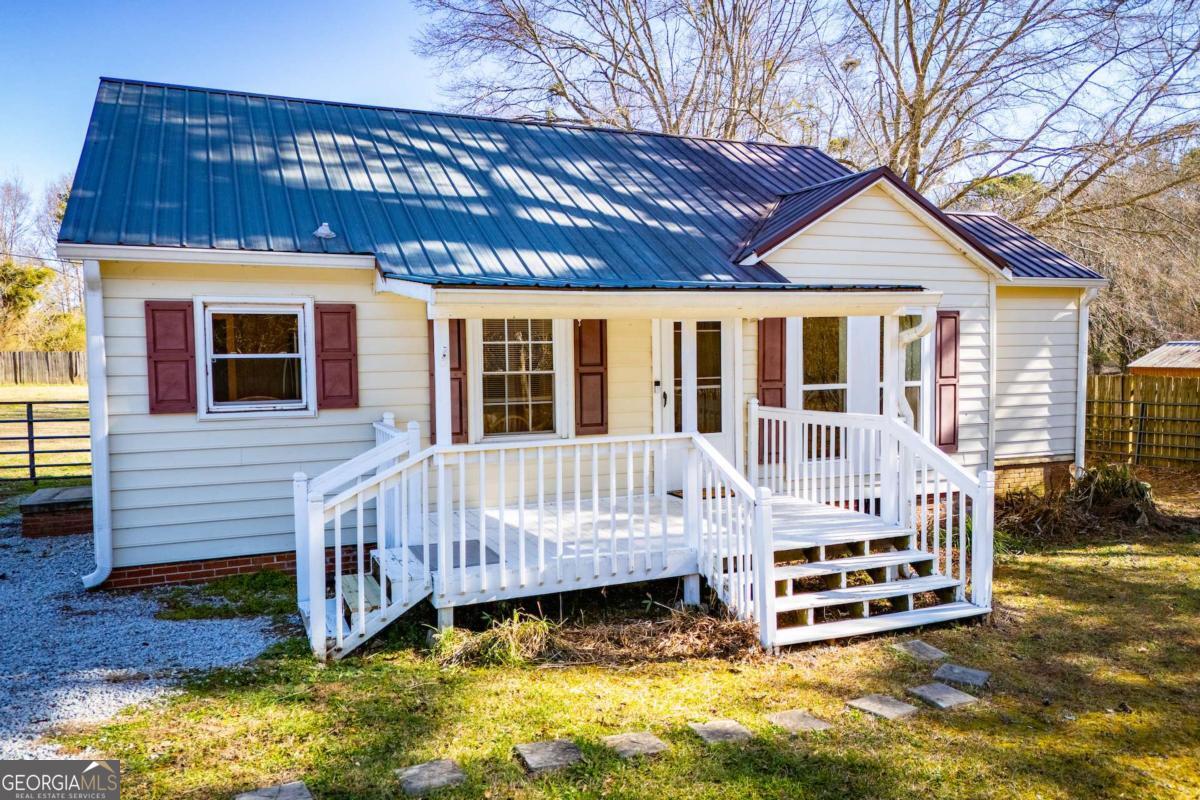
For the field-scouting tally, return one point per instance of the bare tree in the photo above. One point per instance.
(16, 229)
(953, 94)
(723, 68)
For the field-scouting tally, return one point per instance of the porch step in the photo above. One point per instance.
(371, 594)
(877, 624)
(851, 534)
(852, 564)
(863, 594)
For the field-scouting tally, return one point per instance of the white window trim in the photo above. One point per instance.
(204, 306)
(563, 338)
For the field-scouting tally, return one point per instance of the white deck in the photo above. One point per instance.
(527, 552)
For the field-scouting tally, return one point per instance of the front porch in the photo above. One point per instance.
(856, 526)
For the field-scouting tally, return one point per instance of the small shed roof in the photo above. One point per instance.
(1172, 355)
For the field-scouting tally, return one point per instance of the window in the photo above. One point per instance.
(518, 376)
(708, 376)
(823, 379)
(257, 357)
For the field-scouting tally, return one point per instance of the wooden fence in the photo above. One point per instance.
(1144, 419)
(43, 367)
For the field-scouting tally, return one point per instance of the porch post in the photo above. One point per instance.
(300, 519)
(691, 493)
(889, 466)
(441, 381)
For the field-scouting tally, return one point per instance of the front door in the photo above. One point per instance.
(715, 393)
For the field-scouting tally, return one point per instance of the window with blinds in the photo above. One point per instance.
(518, 376)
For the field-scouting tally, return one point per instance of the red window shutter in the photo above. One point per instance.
(772, 371)
(337, 355)
(458, 383)
(946, 381)
(170, 356)
(772, 362)
(591, 376)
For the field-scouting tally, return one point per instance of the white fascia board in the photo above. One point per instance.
(1058, 283)
(191, 255)
(468, 303)
(410, 289)
(951, 237)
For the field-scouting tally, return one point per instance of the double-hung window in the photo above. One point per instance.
(257, 357)
(518, 376)
(912, 369)
(823, 380)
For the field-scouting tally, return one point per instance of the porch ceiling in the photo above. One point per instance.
(794, 301)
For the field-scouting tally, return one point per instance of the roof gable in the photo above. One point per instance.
(796, 212)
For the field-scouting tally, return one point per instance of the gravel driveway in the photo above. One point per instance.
(72, 655)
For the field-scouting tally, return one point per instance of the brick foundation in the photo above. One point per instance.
(182, 572)
(1037, 476)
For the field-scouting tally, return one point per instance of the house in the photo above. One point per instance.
(1170, 360)
(415, 354)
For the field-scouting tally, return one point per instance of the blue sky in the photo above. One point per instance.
(54, 51)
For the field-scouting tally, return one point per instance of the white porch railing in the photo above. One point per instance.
(476, 523)
(484, 522)
(879, 466)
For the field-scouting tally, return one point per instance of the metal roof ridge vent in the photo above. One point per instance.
(323, 231)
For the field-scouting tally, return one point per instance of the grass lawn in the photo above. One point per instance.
(1094, 650)
(13, 464)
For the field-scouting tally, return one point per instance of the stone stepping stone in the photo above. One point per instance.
(429, 777)
(883, 706)
(296, 790)
(942, 696)
(632, 745)
(538, 757)
(920, 650)
(954, 673)
(721, 731)
(798, 722)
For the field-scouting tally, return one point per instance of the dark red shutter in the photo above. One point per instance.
(772, 370)
(337, 355)
(591, 376)
(772, 362)
(946, 381)
(170, 356)
(458, 383)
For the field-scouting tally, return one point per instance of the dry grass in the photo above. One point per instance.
(676, 635)
(1108, 500)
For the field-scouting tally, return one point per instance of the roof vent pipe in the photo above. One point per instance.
(323, 231)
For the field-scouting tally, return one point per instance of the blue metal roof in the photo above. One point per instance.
(1027, 255)
(438, 198)
(435, 197)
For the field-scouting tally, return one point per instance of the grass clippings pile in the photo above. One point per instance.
(673, 636)
(1103, 499)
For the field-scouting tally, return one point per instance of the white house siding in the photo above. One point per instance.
(874, 239)
(1036, 372)
(186, 489)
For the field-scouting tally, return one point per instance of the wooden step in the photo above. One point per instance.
(784, 540)
(372, 595)
(852, 564)
(863, 594)
(880, 623)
